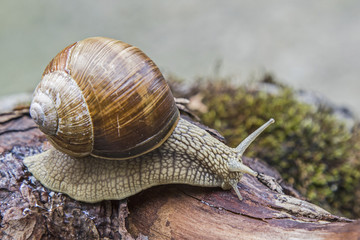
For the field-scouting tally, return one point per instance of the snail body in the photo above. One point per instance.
(113, 121)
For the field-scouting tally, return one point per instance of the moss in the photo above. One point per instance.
(309, 146)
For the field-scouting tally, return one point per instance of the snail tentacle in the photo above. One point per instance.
(249, 139)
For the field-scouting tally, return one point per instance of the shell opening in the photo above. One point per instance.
(43, 112)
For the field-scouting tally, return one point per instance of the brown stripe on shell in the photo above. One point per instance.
(59, 62)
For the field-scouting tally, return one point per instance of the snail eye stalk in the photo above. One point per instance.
(248, 140)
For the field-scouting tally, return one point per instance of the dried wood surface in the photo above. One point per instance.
(29, 211)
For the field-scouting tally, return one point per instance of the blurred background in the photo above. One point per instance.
(312, 45)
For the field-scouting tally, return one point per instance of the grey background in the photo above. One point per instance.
(311, 45)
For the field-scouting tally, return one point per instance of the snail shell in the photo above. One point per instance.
(105, 98)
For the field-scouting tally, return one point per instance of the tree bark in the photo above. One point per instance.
(29, 211)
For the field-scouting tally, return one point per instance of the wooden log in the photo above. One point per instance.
(30, 211)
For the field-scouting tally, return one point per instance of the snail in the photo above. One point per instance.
(112, 119)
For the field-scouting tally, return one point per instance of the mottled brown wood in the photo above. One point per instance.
(185, 212)
(29, 211)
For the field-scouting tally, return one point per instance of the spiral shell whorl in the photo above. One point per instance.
(43, 112)
(60, 111)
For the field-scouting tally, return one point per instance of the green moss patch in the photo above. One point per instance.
(308, 145)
